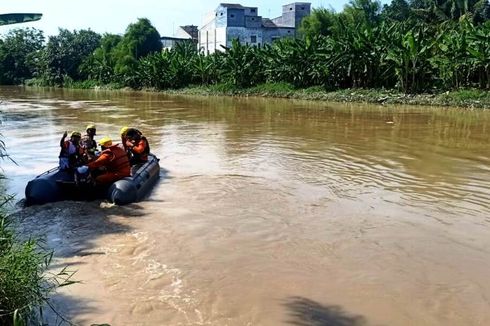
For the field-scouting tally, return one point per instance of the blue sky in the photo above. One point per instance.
(113, 16)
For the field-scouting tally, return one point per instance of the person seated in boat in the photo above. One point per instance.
(88, 144)
(70, 153)
(112, 163)
(124, 131)
(124, 139)
(137, 146)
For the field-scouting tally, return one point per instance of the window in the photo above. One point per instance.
(253, 39)
(302, 8)
(289, 32)
(221, 14)
(253, 19)
(290, 8)
(253, 10)
(232, 16)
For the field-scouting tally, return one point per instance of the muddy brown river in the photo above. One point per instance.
(268, 212)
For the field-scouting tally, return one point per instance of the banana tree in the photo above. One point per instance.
(479, 50)
(358, 54)
(8, 19)
(242, 65)
(451, 57)
(410, 55)
(302, 63)
(203, 68)
(168, 69)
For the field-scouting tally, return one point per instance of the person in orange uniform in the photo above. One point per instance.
(124, 131)
(113, 160)
(138, 146)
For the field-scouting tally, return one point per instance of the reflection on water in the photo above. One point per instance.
(381, 213)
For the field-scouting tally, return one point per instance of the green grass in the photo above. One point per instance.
(469, 98)
(21, 282)
(25, 283)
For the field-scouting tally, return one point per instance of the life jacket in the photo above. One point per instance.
(89, 147)
(124, 138)
(119, 160)
(69, 155)
(141, 157)
(88, 144)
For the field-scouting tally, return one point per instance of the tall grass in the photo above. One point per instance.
(25, 282)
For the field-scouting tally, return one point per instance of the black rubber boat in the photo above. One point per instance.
(56, 185)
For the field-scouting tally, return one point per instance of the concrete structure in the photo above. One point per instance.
(183, 33)
(234, 21)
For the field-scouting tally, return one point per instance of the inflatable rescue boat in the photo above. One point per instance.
(56, 185)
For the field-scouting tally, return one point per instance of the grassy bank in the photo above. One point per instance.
(25, 282)
(464, 98)
(22, 287)
(467, 98)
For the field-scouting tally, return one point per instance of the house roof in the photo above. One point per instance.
(268, 23)
(192, 30)
(232, 5)
(298, 3)
(171, 38)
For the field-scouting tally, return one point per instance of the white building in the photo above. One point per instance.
(234, 21)
(183, 34)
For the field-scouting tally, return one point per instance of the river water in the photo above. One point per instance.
(269, 212)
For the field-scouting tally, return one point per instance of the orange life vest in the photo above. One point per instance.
(119, 161)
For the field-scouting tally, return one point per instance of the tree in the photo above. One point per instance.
(64, 54)
(100, 65)
(397, 10)
(365, 13)
(19, 54)
(442, 10)
(242, 65)
(410, 55)
(481, 12)
(321, 22)
(140, 39)
(302, 63)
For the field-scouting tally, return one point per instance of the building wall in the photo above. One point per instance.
(220, 38)
(207, 37)
(236, 17)
(292, 14)
(253, 21)
(180, 33)
(221, 17)
(211, 39)
(245, 25)
(252, 11)
(244, 35)
(272, 34)
(301, 11)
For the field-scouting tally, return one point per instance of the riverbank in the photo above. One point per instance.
(26, 283)
(467, 98)
(464, 98)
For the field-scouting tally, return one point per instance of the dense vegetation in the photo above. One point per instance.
(413, 46)
(25, 284)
